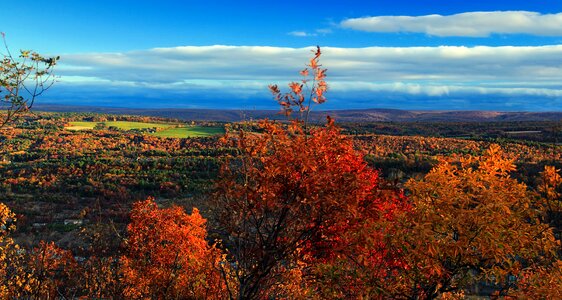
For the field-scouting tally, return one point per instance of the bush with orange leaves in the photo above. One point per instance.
(167, 255)
(44, 272)
(292, 201)
(295, 198)
(543, 282)
(550, 188)
(471, 223)
(53, 272)
(7, 225)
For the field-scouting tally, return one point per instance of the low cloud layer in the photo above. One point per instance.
(501, 78)
(469, 24)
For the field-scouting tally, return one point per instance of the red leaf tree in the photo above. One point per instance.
(292, 198)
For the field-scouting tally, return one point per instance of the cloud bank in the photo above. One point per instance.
(446, 77)
(469, 24)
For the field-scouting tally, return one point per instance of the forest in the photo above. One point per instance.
(266, 209)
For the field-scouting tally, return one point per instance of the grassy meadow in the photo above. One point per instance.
(165, 130)
(190, 131)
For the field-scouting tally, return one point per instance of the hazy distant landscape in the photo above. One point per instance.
(356, 115)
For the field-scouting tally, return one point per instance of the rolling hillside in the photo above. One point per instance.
(360, 115)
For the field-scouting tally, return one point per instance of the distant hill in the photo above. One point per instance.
(356, 115)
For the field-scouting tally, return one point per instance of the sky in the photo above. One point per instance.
(417, 55)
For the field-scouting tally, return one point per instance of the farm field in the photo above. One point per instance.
(123, 125)
(189, 131)
(165, 130)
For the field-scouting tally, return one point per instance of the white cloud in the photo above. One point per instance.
(469, 24)
(301, 33)
(317, 32)
(245, 71)
(437, 90)
(444, 63)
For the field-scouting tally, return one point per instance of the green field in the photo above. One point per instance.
(191, 131)
(81, 125)
(123, 125)
(169, 130)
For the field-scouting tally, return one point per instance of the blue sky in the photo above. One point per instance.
(469, 55)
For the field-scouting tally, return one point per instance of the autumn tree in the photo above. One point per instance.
(550, 189)
(369, 263)
(23, 78)
(7, 249)
(44, 272)
(542, 282)
(53, 272)
(167, 255)
(285, 201)
(100, 277)
(470, 223)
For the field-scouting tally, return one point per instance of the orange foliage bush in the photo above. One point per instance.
(543, 282)
(295, 198)
(550, 188)
(167, 255)
(289, 198)
(7, 224)
(471, 223)
(54, 272)
(45, 272)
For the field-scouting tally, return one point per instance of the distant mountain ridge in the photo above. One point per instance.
(355, 115)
